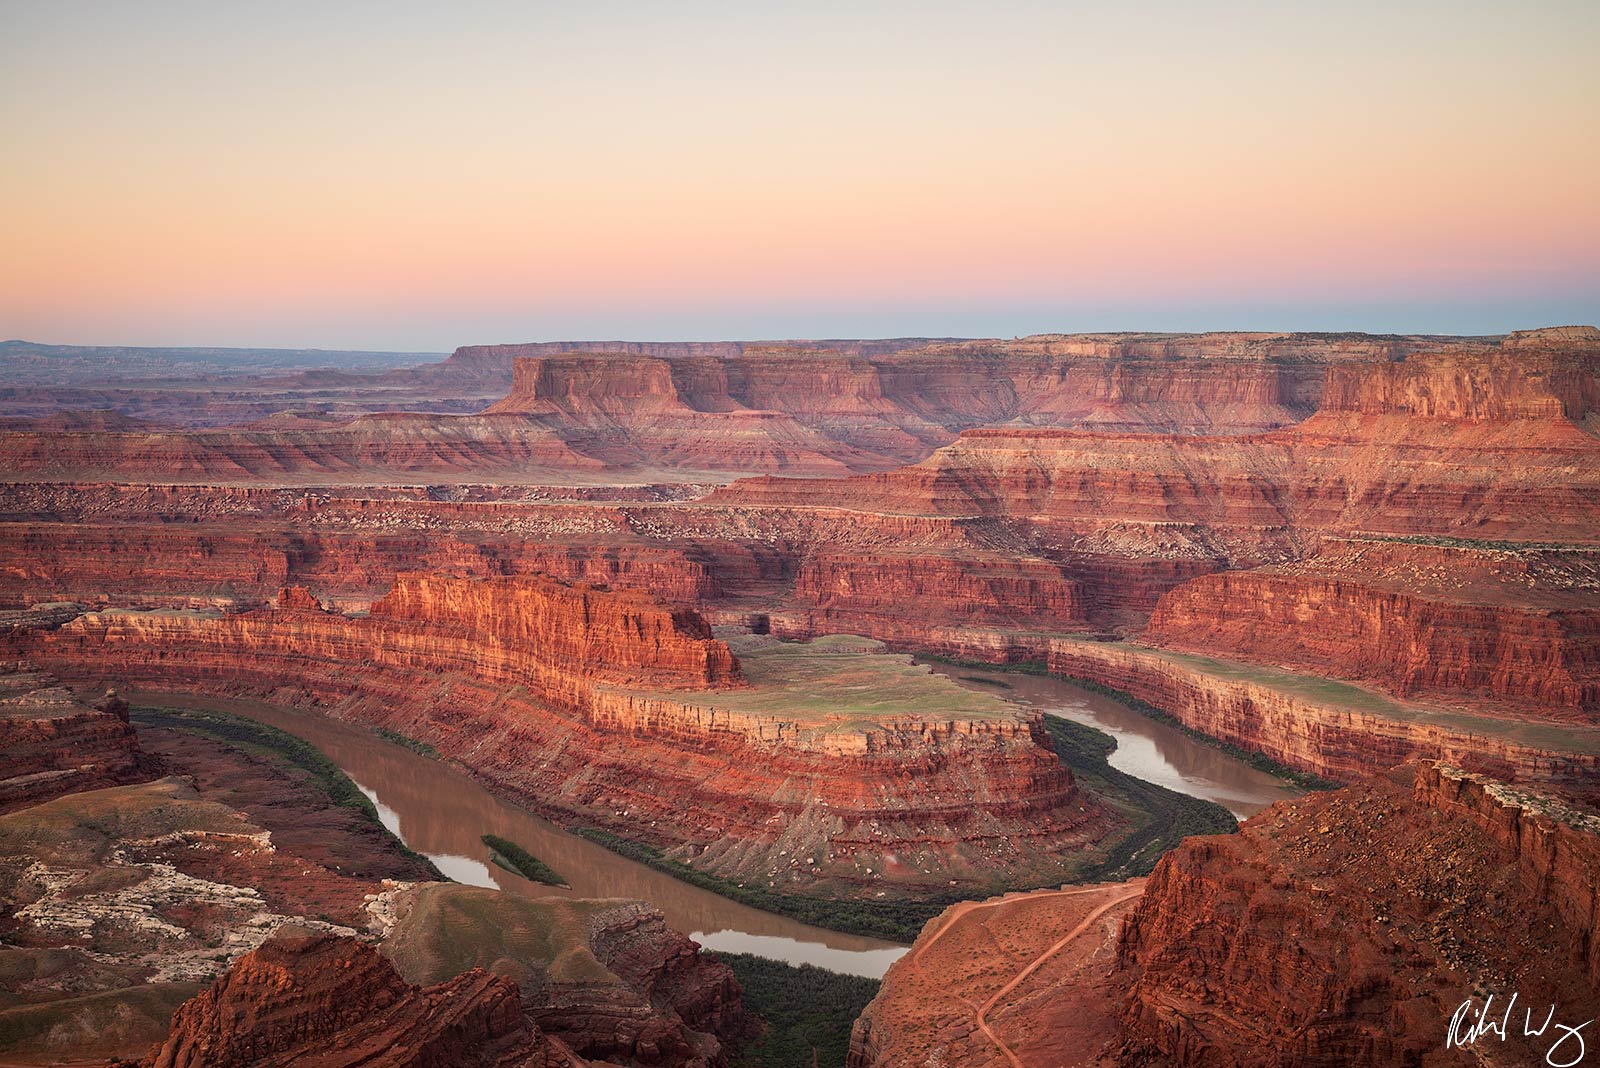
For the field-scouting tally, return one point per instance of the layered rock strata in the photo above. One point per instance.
(604, 707)
(1336, 731)
(1513, 626)
(1361, 927)
(742, 409)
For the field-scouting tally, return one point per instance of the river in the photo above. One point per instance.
(1146, 749)
(440, 811)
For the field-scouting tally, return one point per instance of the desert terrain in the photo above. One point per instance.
(811, 651)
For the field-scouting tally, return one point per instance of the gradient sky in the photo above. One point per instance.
(419, 176)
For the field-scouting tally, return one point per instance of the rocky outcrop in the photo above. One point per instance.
(1018, 979)
(329, 1002)
(608, 978)
(53, 744)
(1343, 928)
(1347, 929)
(1516, 626)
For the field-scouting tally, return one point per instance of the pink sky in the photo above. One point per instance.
(394, 176)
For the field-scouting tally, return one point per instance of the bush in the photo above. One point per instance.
(507, 854)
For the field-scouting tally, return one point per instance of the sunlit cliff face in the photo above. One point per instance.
(404, 180)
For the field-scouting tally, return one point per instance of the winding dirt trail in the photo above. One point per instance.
(965, 907)
(1083, 925)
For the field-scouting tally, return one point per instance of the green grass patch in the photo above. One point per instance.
(407, 741)
(512, 857)
(809, 1011)
(982, 680)
(898, 921)
(280, 747)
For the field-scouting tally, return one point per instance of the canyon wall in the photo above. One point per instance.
(724, 409)
(895, 597)
(1344, 928)
(1338, 733)
(1516, 627)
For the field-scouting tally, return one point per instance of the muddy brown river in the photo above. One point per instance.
(441, 812)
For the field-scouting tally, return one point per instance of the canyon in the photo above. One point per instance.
(672, 595)
(224, 859)
(601, 707)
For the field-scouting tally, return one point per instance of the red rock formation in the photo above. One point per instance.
(52, 744)
(1021, 978)
(618, 636)
(361, 450)
(1338, 732)
(1347, 928)
(607, 978)
(328, 1002)
(196, 564)
(896, 596)
(1520, 627)
(549, 708)
(741, 409)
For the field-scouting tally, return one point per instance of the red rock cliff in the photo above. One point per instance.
(750, 795)
(1516, 627)
(1346, 928)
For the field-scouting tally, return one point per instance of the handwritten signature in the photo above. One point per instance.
(1471, 1025)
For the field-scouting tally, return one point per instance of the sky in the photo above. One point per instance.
(420, 176)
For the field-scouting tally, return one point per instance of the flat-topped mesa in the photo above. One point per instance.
(614, 635)
(606, 385)
(875, 773)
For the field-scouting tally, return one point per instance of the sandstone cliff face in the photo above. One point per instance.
(540, 693)
(1520, 628)
(197, 564)
(362, 449)
(613, 635)
(1340, 734)
(52, 744)
(324, 1001)
(896, 596)
(1346, 928)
